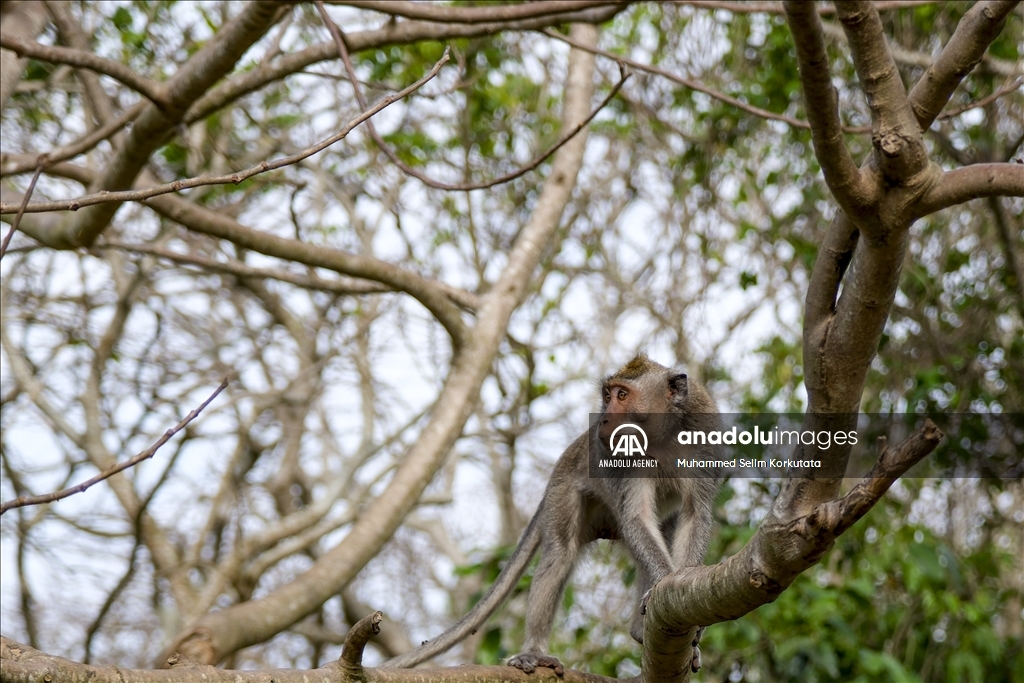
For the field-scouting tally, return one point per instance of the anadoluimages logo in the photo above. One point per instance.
(628, 443)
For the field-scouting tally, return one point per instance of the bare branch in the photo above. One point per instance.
(696, 86)
(896, 136)
(208, 222)
(83, 144)
(392, 33)
(1000, 67)
(236, 177)
(1010, 87)
(344, 287)
(777, 8)
(427, 180)
(24, 664)
(975, 32)
(150, 89)
(22, 207)
(21, 501)
(204, 68)
(821, 105)
(476, 15)
(972, 182)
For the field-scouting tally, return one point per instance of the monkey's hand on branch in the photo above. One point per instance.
(528, 661)
(637, 631)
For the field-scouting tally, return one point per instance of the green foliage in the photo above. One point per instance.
(891, 602)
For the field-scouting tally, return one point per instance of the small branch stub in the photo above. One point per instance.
(352, 651)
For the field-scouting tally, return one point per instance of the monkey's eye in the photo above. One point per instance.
(622, 394)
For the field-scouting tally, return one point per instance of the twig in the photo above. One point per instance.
(24, 203)
(339, 40)
(696, 85)
(81, 145)
(238, 176)
(747, 7)
(119, 467)
(1006, 89)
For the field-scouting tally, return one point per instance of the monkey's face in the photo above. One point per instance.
(618, 401)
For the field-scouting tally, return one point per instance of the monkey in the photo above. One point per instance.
(664, 522)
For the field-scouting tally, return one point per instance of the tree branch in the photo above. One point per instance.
(24, 664)
(351, 659)
(972, 182)
(896, 135)
(696, 86)
(22, 501)
(150, 89)
(22, 206)
(237, 176)
(392, 33)
(495, 12)
(821, 105)
(975, 32)
(347, 286)
(83, 144)
(204, 68)
(423, 177)
(778, 553)
(251, 622)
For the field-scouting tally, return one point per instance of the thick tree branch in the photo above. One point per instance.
(208, 222)
(975, 32)
(358, 636)
(495, 12)
(829, 269)
(392, 33)
(780, 551)
(896, 135)
(972, 182)
(821, 105)
(23, 664)
(146, 87)
(344, 286)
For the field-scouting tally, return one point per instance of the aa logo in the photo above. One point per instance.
(628, 440)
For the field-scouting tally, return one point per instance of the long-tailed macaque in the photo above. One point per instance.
(664, 522)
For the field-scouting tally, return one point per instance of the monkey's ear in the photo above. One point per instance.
(678, 385)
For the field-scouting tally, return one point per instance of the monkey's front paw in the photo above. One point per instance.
(636, 629)
(695, 661)
(528, 661)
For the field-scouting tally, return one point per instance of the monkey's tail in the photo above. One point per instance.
(495, 596)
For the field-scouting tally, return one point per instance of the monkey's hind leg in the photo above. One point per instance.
(562, 534)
